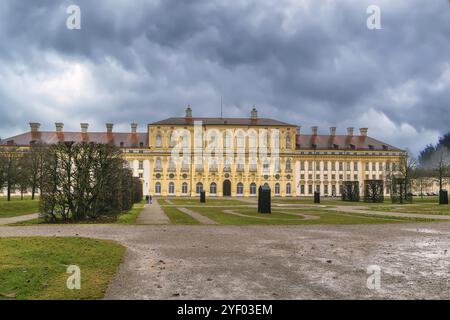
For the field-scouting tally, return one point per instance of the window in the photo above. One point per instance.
(302, 165)
(325, 189)
(158, 188)
(277, 189)
(158, 165)
(240, 189)
(302, 189)
(172, 140)
(288, 189)
(288, 165)
(184, 188)
(355, 166)
(333, 190)
(374, 166)
(199, 188)
(141, 175)
(310, 189)
(213, 188)
(341, 166)
(253, 189)
(141, 165)
(171, 188)
(288, 142)
(158, 141)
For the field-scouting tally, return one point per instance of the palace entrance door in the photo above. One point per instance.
(227, 188)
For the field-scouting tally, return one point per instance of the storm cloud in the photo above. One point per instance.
(311, 62)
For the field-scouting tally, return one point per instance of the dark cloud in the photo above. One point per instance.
(308, 62)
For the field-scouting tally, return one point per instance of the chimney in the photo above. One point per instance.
(134, 139)
(59, 127)
(188, 112)
(314, 130)
(332, 131)
(34, 126)
(254, 113)
(109, 127)
(363, 131)
(134, 128)
(350, 132)
(84, 127)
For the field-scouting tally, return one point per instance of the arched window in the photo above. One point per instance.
(199, 188)
(171, 188)
(288, 142)
(277, 189)
(288, 189)
(158, 141)
(213, 188)
(240, 189)
(288, 165)
(184, 188)
(158, 188)
(253, 189)
(240, 140)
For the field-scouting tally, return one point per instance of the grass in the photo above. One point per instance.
(422, 208)
(279, 217)
(35, 267)
(17, 207)
(130, 216)
(178, 217)
(195, 201)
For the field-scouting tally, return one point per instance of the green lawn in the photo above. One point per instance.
(209, 201)
(130, 216)
(17, 207)
(35, 268)
(280, 216)
(178, 217)
(423, 208)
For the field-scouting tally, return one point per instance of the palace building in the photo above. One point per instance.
(234, 156)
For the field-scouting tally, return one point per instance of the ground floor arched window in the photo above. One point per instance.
(253, 189)
(213, 188)
(184, 188)
(158, 188)
(199, 188)
(171, 188)
(277, 189)
(288, 189)
(240, 189)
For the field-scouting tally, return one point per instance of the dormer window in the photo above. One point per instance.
(385, 147)
(352, 147)
(141, 144)
(335, 146)
(122, 144)
(371, 147)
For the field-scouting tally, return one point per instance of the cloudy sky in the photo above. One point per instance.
(308, 62)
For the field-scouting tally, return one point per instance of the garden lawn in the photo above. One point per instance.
(422, 208)
(178, 217)
(131, 215)
(35, 267)
(278, 217)
(17, 207)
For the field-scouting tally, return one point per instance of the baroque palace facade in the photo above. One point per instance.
(234, 156)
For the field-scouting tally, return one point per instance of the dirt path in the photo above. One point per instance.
(272, 262)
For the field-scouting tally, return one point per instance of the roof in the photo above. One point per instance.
(50, 137)
(128, 140)
(224, 121)
(342, 142)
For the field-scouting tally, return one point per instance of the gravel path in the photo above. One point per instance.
(5, 221)
(152, 214)
(272, 262)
